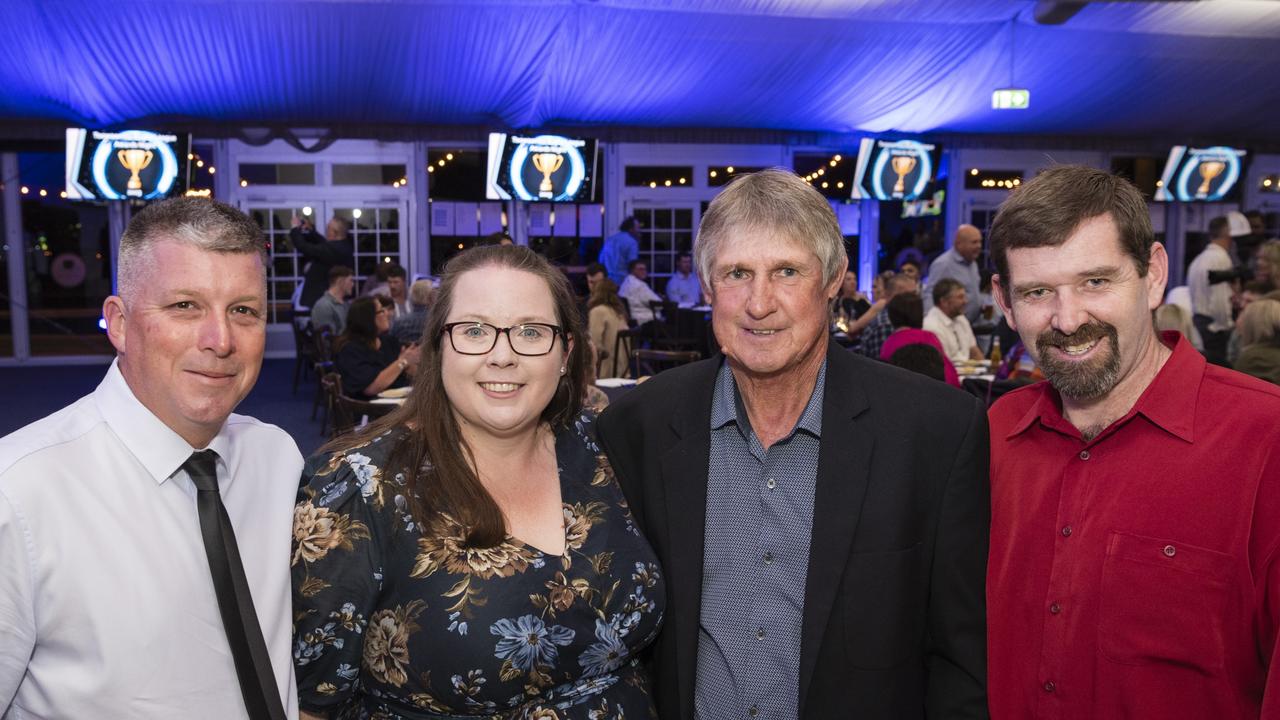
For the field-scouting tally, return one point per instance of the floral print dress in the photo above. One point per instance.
(393, 622)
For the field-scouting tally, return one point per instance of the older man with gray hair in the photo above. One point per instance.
(822, 517)
(123, 592)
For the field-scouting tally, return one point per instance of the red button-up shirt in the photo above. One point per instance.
(1136, 575)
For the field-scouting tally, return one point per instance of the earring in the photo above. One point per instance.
(563, 369)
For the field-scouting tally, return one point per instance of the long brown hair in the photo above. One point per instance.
(432, 454)
(606, 293)
(362, 324)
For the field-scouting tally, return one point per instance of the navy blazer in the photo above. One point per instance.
(894, 622)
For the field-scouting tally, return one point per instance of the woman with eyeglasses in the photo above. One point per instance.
(367, 356)
(471, 554)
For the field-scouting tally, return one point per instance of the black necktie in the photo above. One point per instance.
(248, 649)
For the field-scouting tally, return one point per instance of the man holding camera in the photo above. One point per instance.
(1210, 279)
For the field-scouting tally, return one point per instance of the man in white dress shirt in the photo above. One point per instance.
(111, 601)
(636, 291)
(1211, 293)
(947, 320)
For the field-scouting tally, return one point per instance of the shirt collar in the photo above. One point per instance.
(943, 318)
(955, 255)
(727, 407)
(1169, 402)
(159, 449)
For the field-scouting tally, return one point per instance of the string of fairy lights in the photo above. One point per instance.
(818, 177)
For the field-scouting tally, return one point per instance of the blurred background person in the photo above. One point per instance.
(873, 336)
(621, 249)
(906, 314)
(920, 358)
(605, 317)
(1267, 263)
(947, 320)
(322, 253)
(1212, 289)
(408, 328)
(330, 309)
(636, 291)
(1260, 339)
(684, 288)
(367, 356)
(1170, 316)
(391, 280)
(960, 263)
(852, 311)
(459, 557)
(911, 268)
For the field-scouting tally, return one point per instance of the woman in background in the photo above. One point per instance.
(1259, 328)
(1170, 316)
(368, 358)
(605, 317)
(906, 314)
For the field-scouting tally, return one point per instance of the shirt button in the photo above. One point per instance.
(1050, 687)
(1055, 608)
(768, 558)
(1170, 551)
(760, 634)
(1066, 531)
(771, 484)
(753, 711)
(1084, 454)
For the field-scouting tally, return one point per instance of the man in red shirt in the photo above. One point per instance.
(1133, 570)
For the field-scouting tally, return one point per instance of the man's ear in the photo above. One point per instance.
(834, 288)
(999, 293)
(113, 311)
(1157, 275)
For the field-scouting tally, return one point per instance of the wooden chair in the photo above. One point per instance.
(646, 361)
(623, 344)
(304, 348)
(347, 412)
(666, 329)
(322, 360)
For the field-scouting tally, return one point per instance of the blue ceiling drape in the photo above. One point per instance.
(814, 65)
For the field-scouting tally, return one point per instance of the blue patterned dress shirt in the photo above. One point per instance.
(756, 558)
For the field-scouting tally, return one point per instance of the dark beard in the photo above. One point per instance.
(1076, 380)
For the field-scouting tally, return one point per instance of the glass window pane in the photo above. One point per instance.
(367, 174)
(277, 174)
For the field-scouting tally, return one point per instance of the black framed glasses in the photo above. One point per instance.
(478, 338)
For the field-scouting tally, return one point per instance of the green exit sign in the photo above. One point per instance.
(1011, 99)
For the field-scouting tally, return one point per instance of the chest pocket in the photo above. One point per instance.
(1163, 602)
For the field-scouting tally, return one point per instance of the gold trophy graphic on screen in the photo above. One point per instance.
(902, 166)
(547, 163)
(135, 160)
(1209, 169)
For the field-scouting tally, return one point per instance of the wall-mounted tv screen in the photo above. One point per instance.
(541, 168)
(126, 165)
(1210, 174)
(894, 169)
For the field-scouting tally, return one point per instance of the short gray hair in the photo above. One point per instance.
(200, 222)
(774, 200)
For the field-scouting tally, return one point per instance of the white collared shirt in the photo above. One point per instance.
(1213, 300)
(638, 295)
(955, 334)
(107, 607)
